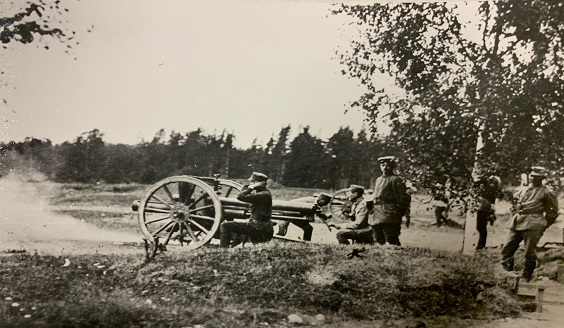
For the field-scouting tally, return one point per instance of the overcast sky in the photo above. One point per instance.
(248, 67)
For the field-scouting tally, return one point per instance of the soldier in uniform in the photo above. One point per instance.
(391, 201)
(535, 209)
(259, 227)
(488, 189)
(440, 204)
(358, 230)
(320, 202)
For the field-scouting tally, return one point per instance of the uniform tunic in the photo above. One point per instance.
(358, 230)
(359, 215)
(536, 208)
(259, 227)
(261, 209)
(261, 202)
(390, 200)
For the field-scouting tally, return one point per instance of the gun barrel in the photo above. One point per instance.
(278, 206)
(233, 208)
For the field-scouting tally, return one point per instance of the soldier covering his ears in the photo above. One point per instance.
(259, 227)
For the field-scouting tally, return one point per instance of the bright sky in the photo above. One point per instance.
(248, 67)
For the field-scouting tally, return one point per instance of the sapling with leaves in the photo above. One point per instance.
(496, 74)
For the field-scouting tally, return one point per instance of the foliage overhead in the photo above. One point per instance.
(24, 24)
(33, 21)
(501, 78)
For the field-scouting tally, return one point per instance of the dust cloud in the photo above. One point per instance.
(26, 223)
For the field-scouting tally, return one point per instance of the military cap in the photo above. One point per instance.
(387, 159)
(324, 195)
(538, 171)
(258, 177)
(356, 188)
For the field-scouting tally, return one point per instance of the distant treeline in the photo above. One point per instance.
(305, 161)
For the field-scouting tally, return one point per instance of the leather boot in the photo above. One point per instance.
(508, 264)
(528, 270)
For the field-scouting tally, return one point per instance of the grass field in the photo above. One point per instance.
(254, 286)
(248, 287)
(108, 206)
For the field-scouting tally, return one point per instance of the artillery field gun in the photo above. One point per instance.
(187, 211)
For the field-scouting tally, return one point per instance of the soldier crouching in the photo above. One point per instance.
(358, 230)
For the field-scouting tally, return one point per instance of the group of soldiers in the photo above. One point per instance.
(378, 219)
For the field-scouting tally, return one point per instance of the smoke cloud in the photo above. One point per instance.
(26, 223)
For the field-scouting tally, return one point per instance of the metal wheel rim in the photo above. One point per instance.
(337, 203)
(163, 214)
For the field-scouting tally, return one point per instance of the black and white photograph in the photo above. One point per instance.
(281, 163)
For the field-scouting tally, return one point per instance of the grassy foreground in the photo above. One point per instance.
(249, 287)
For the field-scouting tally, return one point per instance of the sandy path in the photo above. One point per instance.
(422, 233)
(446, 239)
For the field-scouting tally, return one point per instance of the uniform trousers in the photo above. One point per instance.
(387, 232)
(531, 238)
(361, 236)
(482, 227)
(257, 231)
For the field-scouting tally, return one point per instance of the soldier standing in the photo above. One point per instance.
(440, 204)
(259, 227)
(391, 201)
(488, 191)
(358, 230)
(535, 209)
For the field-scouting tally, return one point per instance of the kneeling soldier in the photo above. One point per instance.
(359, 230)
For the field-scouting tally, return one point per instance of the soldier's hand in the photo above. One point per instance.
(254, 185)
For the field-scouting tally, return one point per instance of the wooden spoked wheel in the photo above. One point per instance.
(229, 189)
(339, 205)
(223, 188)
(180, 210)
